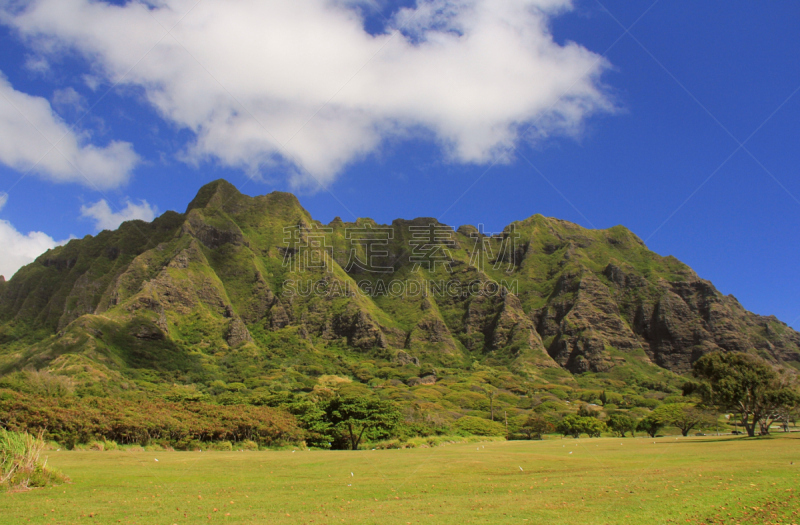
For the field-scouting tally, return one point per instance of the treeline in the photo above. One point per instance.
(753, 392)
(73, 420)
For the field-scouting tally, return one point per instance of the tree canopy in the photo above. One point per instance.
(650, 424)
(535, 426)
(575, 425)
(745, 385)
(684, 416)
(621, 424)
(355, 417)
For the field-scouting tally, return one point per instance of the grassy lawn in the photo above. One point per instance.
(695, 480)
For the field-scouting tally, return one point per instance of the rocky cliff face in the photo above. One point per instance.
(236, 273)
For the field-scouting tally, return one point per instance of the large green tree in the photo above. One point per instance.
(575, 425)
(621, 424)
(354, 417)
(745, 385)
(684, 416)
(650, 424)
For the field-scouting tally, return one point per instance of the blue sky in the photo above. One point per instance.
(676, 119)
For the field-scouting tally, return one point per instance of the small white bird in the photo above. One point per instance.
(156, 460)
(351, 474)
(349, 484)
(520, 468)
(570, 452)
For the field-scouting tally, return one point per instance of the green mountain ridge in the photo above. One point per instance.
(245, 296)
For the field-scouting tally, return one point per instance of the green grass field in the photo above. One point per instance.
(686, 480)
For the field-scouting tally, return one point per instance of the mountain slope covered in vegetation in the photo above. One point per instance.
(241, 299)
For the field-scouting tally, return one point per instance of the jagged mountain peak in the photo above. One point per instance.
(226, 278)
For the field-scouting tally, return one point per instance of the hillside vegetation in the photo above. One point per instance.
(248, 302)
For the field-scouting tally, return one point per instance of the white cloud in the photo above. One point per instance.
(20, 249)
(302, 82)
(37, 64)
(33, 137)
(68, 99)
(105, 219)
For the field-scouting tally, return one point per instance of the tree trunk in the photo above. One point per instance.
(353, 443)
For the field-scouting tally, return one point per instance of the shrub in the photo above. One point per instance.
(247, 445)
(20, 466)
(476, 426)
(71, 421)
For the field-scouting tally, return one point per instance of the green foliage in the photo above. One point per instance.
(476, 426)
(574, 425)
(20, 464)
(621, 424)
(650, 424)
(354, 418)
(610, 398)
(191, 317)
(683, 416)
(746, 385)
(535, 426)
(71, 421)
(319, 431)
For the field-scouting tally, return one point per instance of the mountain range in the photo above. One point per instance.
(240, 295)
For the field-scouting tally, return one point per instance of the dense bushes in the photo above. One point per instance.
(72, 420)
(476, 426)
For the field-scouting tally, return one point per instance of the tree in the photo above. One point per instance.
(650, 424)
(683, 416)
(621, 424)
(574, 425)
(355, 417)
(313, 420)
(535, 426)
(491, 392)
(743, 384)
(594, 427)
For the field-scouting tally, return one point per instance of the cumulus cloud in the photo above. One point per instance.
(106, 219)
(301, 82)
(20, 249)
(33, 137)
